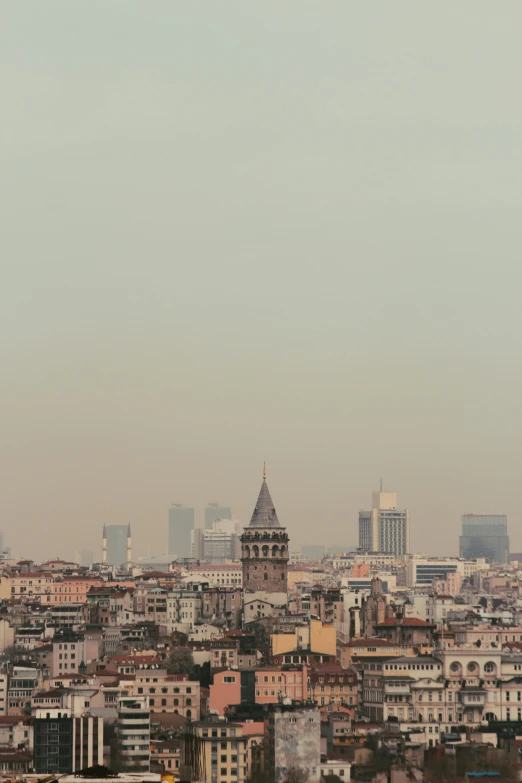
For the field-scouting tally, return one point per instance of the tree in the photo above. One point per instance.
(297, 775)
(180, 661)
(201, 673)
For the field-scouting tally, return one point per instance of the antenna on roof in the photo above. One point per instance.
(381, 483)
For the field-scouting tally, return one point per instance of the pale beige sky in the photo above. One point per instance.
(236, 232)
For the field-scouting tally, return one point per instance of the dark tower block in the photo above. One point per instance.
(264, 548)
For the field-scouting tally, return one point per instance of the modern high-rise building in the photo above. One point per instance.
(181, 525)
(116, 544)
(214, 511)
(218, 544)
(385, 528)
(485, 535)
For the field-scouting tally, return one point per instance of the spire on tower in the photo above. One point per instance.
(129, 531)
(264, 514)
(104, 532)
(264, 471)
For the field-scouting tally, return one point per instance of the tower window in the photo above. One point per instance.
(265, 575)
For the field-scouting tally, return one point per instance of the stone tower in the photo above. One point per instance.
(264, 548)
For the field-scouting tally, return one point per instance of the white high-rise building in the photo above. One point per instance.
(385, 528)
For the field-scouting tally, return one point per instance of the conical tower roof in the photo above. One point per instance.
(264, 514)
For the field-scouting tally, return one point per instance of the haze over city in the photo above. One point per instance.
(268, 232)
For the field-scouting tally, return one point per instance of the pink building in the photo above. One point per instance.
(225, 690)
(275, 683)
(70, 590)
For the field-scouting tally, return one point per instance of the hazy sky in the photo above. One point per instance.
(235, 232)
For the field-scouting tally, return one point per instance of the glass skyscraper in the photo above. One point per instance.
(181, 525)
(484, 535)
(116, 544)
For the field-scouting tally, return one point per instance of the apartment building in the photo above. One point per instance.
(184, 607)
(273, 683)
(134, 731)
(224, 759)
(172, 693)
(332, 686)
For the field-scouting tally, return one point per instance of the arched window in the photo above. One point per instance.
(283, 550)
(265, 551)
(265, 575)
(189, 713)
(490, 716)
(275, 551)
(247, 551)
(282, 575)
(490, 667)
(255, 549)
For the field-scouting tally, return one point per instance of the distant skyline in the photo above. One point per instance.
(282, 232)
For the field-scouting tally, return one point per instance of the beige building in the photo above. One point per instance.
(172, 693)
(224, 759)
(316, 636)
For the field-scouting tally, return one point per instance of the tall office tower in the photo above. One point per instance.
(484, 535)
(214, 511)
(181, 525)
(264, 548)
(385, 528)
(115, 540)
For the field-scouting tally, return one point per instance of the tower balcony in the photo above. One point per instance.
(251, 534)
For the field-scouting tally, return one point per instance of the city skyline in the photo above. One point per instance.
(155, 545)
(212, 258)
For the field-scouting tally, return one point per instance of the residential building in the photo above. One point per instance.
(184, 607)
(485, 535)
(275, 683)
(181, 525)
(69, 651)
(172, 693)
(230, 688)
(224, 755)
(65, 744)
(23, 682)
(332, 686)
(134, 731)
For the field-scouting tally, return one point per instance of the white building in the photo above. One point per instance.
(134, 731)
(385, 528)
